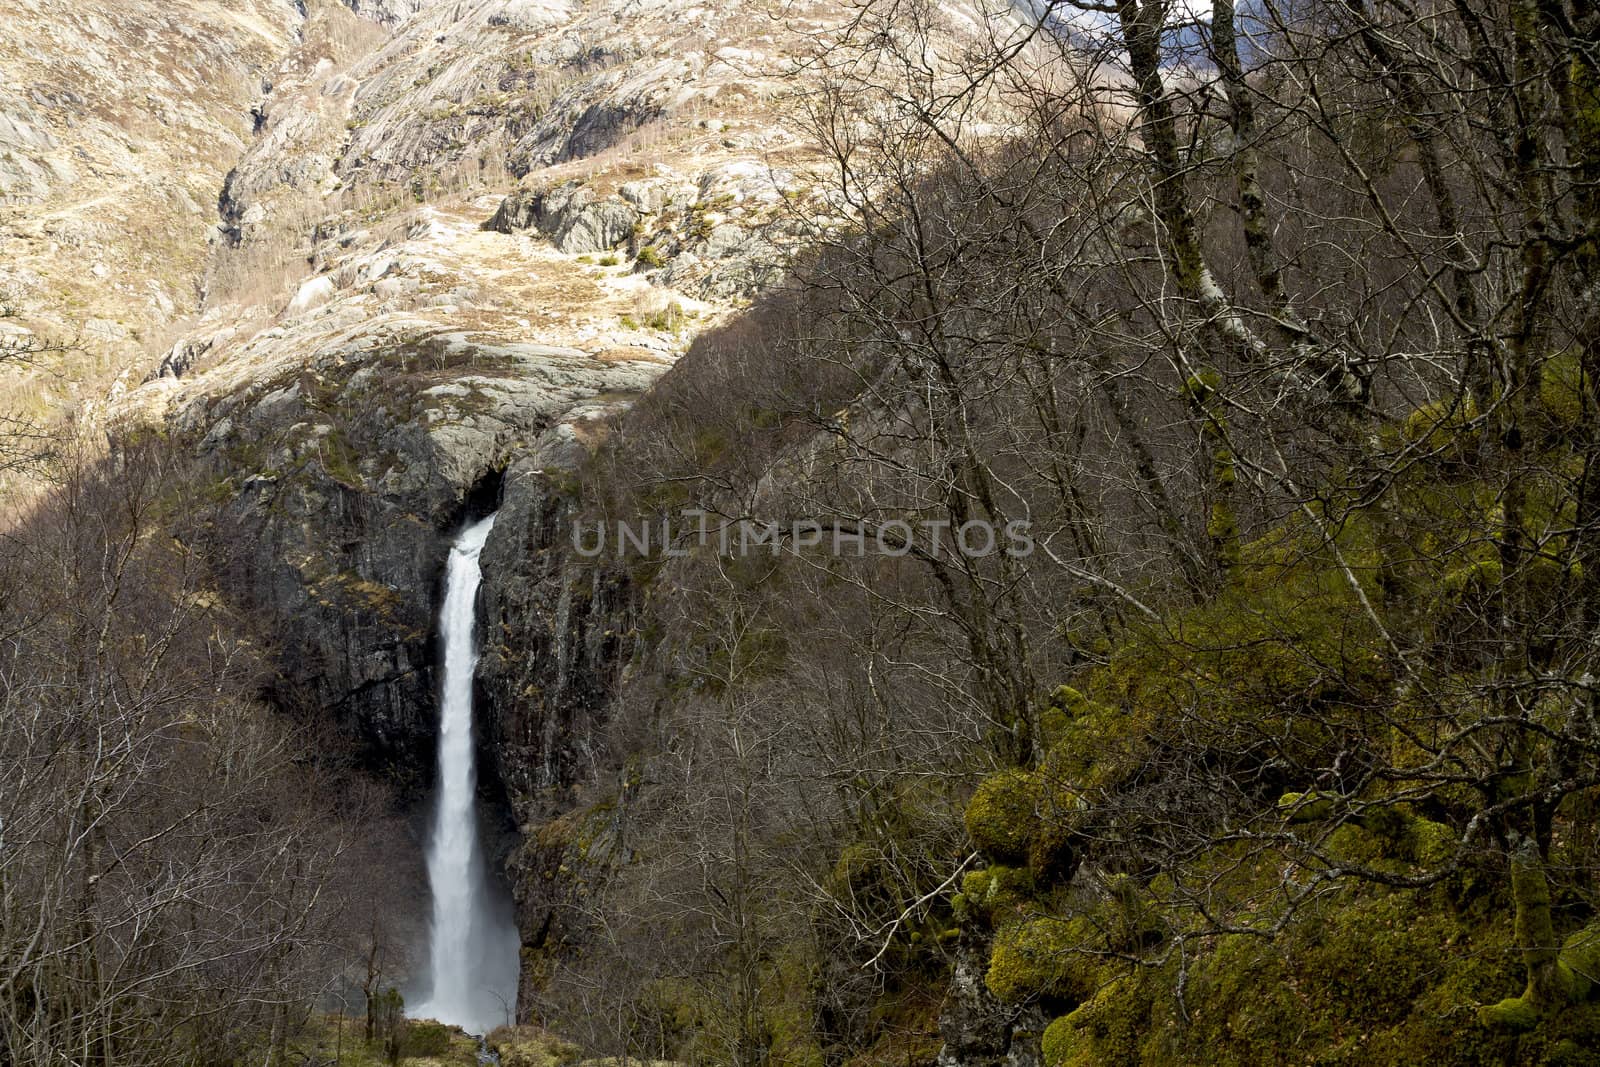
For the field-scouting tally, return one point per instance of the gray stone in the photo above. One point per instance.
(568, 214)
(597, 228)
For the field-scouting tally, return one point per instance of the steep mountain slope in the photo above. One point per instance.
(1274, 738)
(117, 124)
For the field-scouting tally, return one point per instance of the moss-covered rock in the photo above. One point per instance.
(1441, 425)
(1430, 844)
(1000, 816)
(1562, 389)
(1308, 807)
(1065, 707)
(1047, 958)
(1107, 1028)
(1059, 817)
(1367, 976)
(1060, 1039)
(994, 896)
(1285, 652)
(1580, 955)
(530, 1046)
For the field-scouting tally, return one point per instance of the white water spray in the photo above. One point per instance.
(473, 947)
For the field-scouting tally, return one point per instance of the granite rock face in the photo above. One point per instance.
(386, 12)
(556, 631)
(402, 302)
(597, 119)
(559, 636)
(118, 122)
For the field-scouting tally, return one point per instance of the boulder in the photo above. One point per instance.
(651, 196)
(570, 216)
(597, 227)
(313, 294)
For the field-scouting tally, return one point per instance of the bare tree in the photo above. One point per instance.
(161, 866)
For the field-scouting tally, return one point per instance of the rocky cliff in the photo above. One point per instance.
(438, 247)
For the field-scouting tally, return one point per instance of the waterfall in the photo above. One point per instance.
(473, 951)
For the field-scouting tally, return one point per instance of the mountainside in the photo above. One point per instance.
(118, 123)
(382, 334)
(1025, 535)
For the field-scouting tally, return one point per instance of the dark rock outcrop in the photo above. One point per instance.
(557, 632)
(339, 486)
(555, 635)
(569, 215)
(386, 12)
(978, 1030)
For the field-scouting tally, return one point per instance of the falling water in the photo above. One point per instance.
(473, 947)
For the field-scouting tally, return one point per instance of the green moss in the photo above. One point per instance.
(1060, 812)
(1285, 651)
(1580, 954)
(859, 868)
(529, 1046)
(1562, 389)
(339, 458)
(1202, 386)
(1376, 955)
(1222, 524)
(1440, 425)
(1430, 843)
(1000, 816)
(1575, 975)
(1074, 703)
(697, 225)
(1044, 957)
(424, 1037)
(1060, 1040)
(417, 1043)
(1569, 1053)
(994, 896)
(1366, 976)
(1308, 807)
(1132, 924)
(786, 1012)
(1053, 725)
(1517, 1014)
(1089, 742)
(1477, 576)
(1108, 1028)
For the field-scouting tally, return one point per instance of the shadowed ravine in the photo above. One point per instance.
(473, 946)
